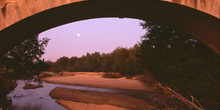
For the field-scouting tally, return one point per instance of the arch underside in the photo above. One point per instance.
(202, 26)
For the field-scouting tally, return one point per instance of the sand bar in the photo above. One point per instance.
(91, 99)
(71, 105)
(93, 79)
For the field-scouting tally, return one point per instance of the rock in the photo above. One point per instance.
(32, 86)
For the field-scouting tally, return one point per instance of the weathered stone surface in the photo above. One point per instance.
(21, 19)
(208, 6)
(13, 11)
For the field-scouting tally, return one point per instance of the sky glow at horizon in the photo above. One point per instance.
(94, 35)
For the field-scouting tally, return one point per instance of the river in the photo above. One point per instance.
(39, 99)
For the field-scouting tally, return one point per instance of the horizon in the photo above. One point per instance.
(101, 35)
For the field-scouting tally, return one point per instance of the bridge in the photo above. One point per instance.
(22, 19)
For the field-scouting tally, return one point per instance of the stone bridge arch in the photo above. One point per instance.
(21, 19)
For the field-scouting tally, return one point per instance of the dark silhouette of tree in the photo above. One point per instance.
(70, 64)
(62, 63)
(86, 62)
(22, 62)
(24, 59)
(132, 66)
(119, 56)
(78, 66)
(96, 61)
(178, 60)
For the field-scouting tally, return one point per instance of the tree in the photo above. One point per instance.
(25, 58)
(78, 66)
(106, 63)
(62, 63)
(178, 60)
(53, 66)
(70, 64)
(86, 62)
(132, 62)
(96, 61)
(119, 55)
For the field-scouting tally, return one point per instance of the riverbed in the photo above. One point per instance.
(33, 99)
(39, 98)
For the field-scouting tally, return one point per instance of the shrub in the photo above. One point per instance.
(112, 75)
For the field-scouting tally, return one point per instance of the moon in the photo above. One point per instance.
(78, 34)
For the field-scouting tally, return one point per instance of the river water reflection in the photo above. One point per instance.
(39, 99)
(33, 99)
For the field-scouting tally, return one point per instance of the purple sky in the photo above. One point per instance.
(96, 35)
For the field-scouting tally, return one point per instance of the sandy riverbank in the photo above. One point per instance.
(71, 105)
(89, 100)
(93, 79)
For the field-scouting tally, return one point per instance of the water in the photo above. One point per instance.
(39, 99)
(34, 99)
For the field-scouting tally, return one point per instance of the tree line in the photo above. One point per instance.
(122, 60)
(173, 58)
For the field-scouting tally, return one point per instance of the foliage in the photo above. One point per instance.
(178, 60)
(22, 62)
(53, 67)
(125, 61)
(147, 79)
(62, 63)
(24, 59)
(112, 75)
(71, 63)
(121, 60)
(6, 86)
